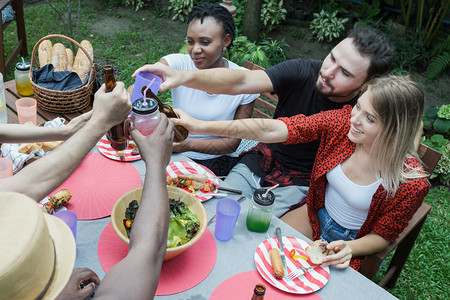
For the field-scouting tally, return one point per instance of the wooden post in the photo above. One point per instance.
(229, 5)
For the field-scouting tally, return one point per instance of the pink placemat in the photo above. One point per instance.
(178, 274)
(241, 286)
(96, 185)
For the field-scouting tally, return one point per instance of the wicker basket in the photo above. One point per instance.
(62, 101)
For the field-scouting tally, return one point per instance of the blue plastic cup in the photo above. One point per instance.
(143, 79)
(226, 217)
(70, 218)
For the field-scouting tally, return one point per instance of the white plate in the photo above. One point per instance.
(189, 167)
(307, 283)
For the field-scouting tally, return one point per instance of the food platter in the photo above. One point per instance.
(104, 146)
(189, 167)
(307, 283)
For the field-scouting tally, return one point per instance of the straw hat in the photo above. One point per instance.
(37, 250)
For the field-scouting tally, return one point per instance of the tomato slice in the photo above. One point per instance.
(292, 253)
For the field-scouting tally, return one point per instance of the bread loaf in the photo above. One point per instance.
(59, 57)
(45, 53)
(81, 64)
(69, 59)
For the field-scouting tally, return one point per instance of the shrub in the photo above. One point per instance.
(272, 13)
(327, 26)
(180, 8)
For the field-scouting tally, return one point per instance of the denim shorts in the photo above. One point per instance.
(332, 231)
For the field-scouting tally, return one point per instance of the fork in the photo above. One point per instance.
(299, 271)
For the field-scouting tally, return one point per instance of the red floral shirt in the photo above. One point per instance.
(387, 216)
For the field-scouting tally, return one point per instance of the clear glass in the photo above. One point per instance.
(23, 84)
(146, 123)
(3, 114)
(258, 217)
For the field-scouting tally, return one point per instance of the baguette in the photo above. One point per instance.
(81, 64)
(59, 57)
(45, 53)
(69, 59)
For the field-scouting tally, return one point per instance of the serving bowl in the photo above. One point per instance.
(118, 214)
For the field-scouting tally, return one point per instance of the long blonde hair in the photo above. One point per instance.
(399, 103)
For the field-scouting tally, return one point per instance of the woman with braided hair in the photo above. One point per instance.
(210, 32)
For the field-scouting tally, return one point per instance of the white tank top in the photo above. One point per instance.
(347, 202)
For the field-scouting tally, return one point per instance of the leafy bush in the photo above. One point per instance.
(442, 169)
(327, 26)
(266, 53)
(180, 8)
(440, 60)
(272, 13)
(438, 119)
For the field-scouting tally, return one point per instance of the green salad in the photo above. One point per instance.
(183, 224)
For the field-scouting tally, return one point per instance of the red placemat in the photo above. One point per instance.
(178, 274)
(241, 286)
(96, 185)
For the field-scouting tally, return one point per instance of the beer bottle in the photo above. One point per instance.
(116, 135)
(181, 133)
(259, 292)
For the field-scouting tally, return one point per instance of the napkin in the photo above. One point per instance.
(18, 159)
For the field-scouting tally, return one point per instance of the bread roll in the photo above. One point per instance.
(69, 59)
(317, 251)
(59, 57)
(81, 64)
(45, 53)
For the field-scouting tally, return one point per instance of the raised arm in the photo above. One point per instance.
(262, 130)
(15, 133)
(138, 273)
(41, 177)
(214, 81)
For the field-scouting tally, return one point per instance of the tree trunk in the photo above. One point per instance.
(251, 20)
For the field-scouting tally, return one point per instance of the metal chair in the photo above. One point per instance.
(21, 46)
(403, 245)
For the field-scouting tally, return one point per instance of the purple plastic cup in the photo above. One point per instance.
(143, 79)
(70, 218)
(226, 217)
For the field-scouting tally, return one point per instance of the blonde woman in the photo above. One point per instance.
(367, 180)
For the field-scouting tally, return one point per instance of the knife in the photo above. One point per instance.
(283, 257)
(213, 218)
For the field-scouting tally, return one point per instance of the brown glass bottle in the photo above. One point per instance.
(116, 135)
(258, 293)
(181, 133)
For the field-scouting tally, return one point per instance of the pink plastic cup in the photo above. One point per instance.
(6, 167)
(143, 79)
(26, 110)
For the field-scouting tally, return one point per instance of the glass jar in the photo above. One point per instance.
(145, 115)
(22, 76)
(260, 212)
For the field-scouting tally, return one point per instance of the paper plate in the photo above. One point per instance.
(104, 146)
(310, 282)
(190, 167)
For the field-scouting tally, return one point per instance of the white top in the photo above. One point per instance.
(204, 106)
(347, 202)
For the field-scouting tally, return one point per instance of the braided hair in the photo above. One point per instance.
(219, 13)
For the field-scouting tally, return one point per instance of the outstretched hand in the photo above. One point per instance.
(341, 255)
(73, 289)
(171, 78)
(77, 123)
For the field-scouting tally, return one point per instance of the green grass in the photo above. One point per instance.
(426, 273)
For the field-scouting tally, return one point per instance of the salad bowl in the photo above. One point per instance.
(195, 205)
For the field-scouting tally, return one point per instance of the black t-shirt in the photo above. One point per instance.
(294, 83)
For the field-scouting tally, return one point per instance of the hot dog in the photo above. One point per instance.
(197, 177)
(277, 265)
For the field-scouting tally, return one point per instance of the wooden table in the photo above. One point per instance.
(43, 116)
